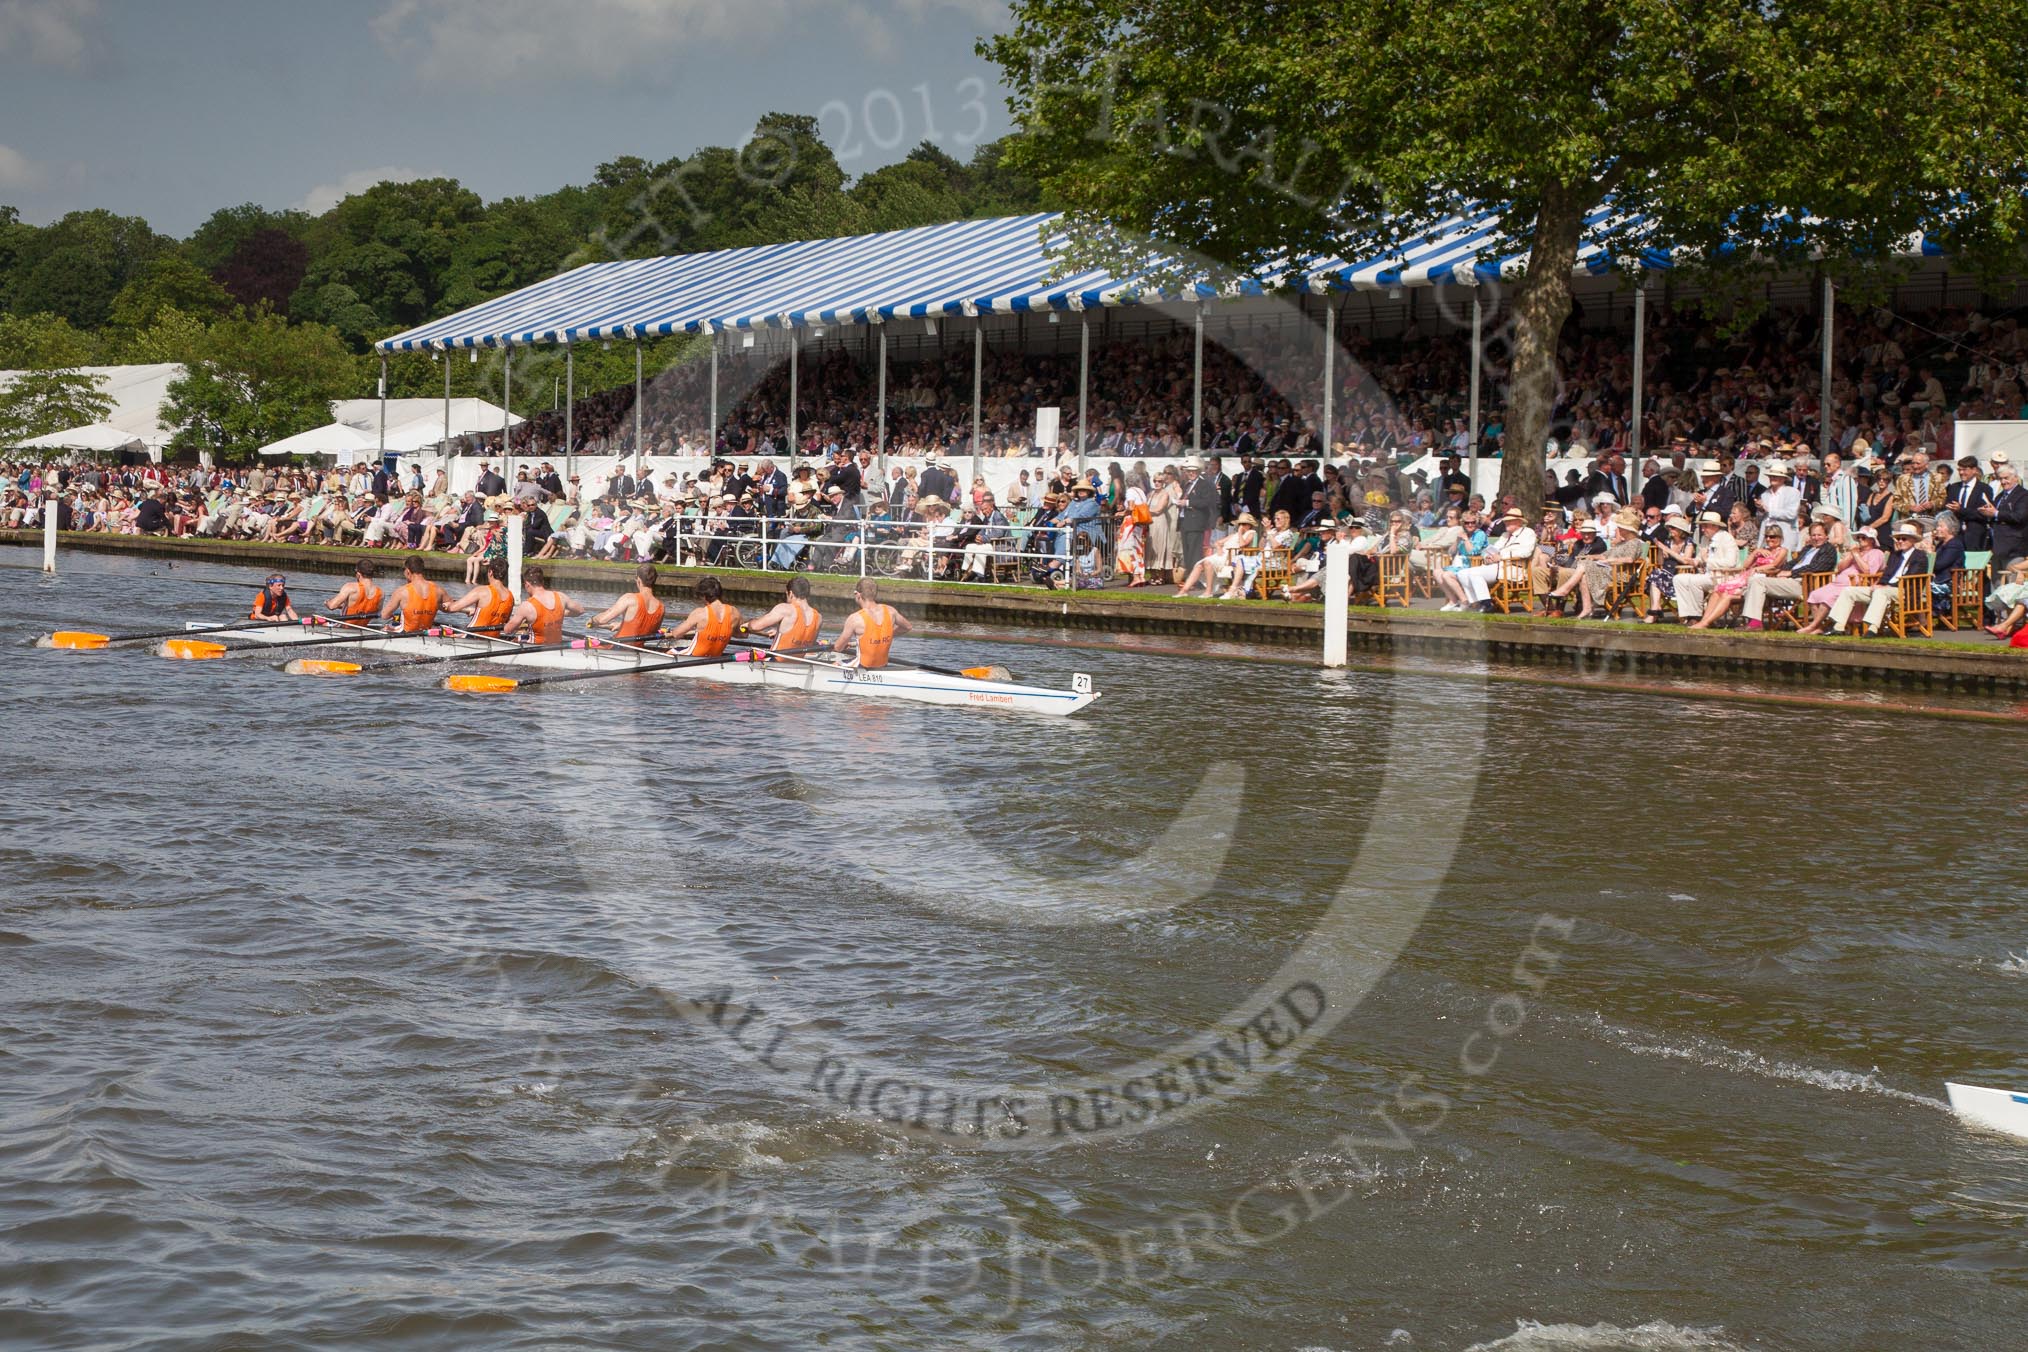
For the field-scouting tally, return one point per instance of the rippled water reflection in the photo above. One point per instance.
(323, 1024)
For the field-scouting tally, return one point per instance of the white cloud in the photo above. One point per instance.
(474, 41)
(17, 171)
(324, 196)
(468, 41)
(60, 33)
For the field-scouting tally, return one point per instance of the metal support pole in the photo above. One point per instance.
(795, 442)
(1330, 376)
(569, 398)
(1634, 480)
(1197, 388)
(1083, 384)
(515, 526)
(978, 396)
(880, 418)
(48, 530)
(1824, 373)
(507, 414)
(639, 449)
(1337, 600)
(447, 405)
(711, 440)
(383, 408)
(1472, 418)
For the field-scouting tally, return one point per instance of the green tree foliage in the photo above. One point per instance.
(256, 379)
(268, 309)
(42, 342)
(1770, 133)
(36, 402)
(169, 282)
(77, 266)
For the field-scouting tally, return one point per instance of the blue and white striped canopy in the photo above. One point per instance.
(995, 266)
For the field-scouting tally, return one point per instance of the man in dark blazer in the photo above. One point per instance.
(1908, 557)
(935, 481)
(1967, 499)
(1817, 555)
(1198, 511)
(1609, 477)
(2007, 516)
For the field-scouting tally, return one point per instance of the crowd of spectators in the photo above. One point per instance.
(1734, 508)
(1899, 380)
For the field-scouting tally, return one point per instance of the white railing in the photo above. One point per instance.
(1034, 554)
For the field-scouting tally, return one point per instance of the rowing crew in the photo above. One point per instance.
(636, 617)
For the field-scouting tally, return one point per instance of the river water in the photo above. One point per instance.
(654, 1014)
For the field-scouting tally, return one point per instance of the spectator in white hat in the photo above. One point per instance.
(1722, 560)
(1782, 503)
(1908, 558)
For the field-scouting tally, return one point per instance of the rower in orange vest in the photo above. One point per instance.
(358, 601)
(711, 623)
(637, 615)
(542, 612)
(490, 603)
(871, 628)
(417, 598)
(794, 622)
(272, 602)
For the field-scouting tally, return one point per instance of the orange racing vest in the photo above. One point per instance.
(717, 629)
(801, 631)
(876, 636)
(364, 606)
(419, 604)
(494, 610)
(548, 626)
(645, 621)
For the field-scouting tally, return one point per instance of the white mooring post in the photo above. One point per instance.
(514, 527)
(49, 533)
(1337, 599)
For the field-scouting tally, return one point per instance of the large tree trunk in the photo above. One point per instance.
(1541, 304)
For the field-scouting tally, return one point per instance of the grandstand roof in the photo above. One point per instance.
(1001, 265)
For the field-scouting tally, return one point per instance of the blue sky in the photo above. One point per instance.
(169, 109)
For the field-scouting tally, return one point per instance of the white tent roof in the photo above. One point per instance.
(136, 393)
(91, 437)
(467, 415)
(330, 439)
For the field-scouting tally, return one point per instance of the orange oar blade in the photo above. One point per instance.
(480, 684)
(78, 639)
(195, 650)
(993, 673)
(311, 666)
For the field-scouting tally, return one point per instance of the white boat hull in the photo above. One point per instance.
(893, 683)
(1994, 1109)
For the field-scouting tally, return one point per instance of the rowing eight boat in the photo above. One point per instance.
(816, 677)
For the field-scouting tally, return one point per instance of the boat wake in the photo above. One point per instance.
(1718, 1056)
(1653, 1336)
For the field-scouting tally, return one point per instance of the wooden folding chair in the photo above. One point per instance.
(1396, 580)
(1514, 588)
(1856, 622)
(1913, 608)
(1276, 568)
(1969, 586)
(1791, 614)
(1629, 583)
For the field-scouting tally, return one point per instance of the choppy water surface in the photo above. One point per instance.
(345, 1013)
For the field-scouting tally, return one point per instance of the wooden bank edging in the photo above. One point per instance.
(1589, 648)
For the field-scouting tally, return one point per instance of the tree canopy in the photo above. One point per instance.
(96, 287)
(1737, 132)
